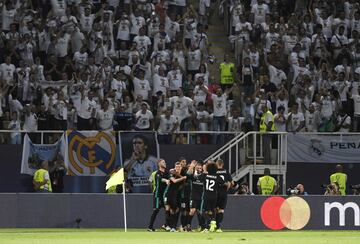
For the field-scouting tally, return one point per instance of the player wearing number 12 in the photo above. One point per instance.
(211, 182)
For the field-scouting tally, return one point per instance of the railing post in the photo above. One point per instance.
(254, 148)
(237, 157)
(42, 137)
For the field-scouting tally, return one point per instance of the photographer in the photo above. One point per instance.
(299, 190)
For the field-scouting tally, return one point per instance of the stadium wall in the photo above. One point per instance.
(312, 175)
(24, 210)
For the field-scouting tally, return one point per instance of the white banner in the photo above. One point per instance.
(323, 148)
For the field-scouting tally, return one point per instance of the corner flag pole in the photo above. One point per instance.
(124, 199)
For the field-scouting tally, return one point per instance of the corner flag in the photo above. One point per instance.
(116, 179)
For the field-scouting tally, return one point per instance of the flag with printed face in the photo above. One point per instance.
(91, 153)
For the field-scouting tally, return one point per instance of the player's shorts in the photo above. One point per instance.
(221, 202)
(208, 204)
(185, 203)
(172, 201)
(158, 202)
(195, 203)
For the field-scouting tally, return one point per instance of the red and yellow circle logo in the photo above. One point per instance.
(277, 213)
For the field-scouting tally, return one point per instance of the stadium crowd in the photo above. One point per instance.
(145, 65)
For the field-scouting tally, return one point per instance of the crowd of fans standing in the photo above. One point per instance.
(145, 65)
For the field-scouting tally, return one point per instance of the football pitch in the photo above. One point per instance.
(104, 236)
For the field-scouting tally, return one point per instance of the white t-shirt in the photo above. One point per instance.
(312, 121)
(235, 124)
(347, 122)
(199, 94)
(175, 79)
(160, 84)
(143, 120)
(356, 99)
(62, 45)
(194, 59)
(296, 120)
(124, 30)
(260, 12)
(105, 119)
(202, 117)
(219, 105)
(276, 75)
(15, 126)
(143, 42)
(136, 24)
(31, 123)
(327, 107)
(86, 22)
(181, 106)
(87, 107)
(171, 28)
(7, 73)
(166, 124)
(119, 86)
(141, 87)
(8, 17)
(280, 122)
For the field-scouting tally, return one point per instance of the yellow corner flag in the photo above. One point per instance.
(115, 179)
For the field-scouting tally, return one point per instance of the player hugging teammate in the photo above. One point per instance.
(193, 189)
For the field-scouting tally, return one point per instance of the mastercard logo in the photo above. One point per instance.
(278, 213)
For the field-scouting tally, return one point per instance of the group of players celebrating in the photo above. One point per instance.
(188, 189)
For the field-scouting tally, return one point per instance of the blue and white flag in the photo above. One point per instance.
(91, 153)
(34, 154)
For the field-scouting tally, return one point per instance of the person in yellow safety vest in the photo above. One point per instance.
(41, 180)
(266, 125)
(227, 70)
(266, 184)
(340, 178)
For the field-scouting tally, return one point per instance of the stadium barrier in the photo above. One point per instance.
(18, 210)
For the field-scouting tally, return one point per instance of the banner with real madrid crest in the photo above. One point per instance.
(91, 153)
(323, 148)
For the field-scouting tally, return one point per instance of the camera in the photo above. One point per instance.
(292, 191)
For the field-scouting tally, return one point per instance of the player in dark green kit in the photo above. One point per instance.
(222, 193)
(211, 182)
(161, 182)
(196, 193)
(171, 199)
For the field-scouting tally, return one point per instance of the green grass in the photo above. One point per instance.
(104, 236)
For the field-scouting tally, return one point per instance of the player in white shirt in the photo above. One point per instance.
(144, 118)
(295, 120)
(105, 117)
